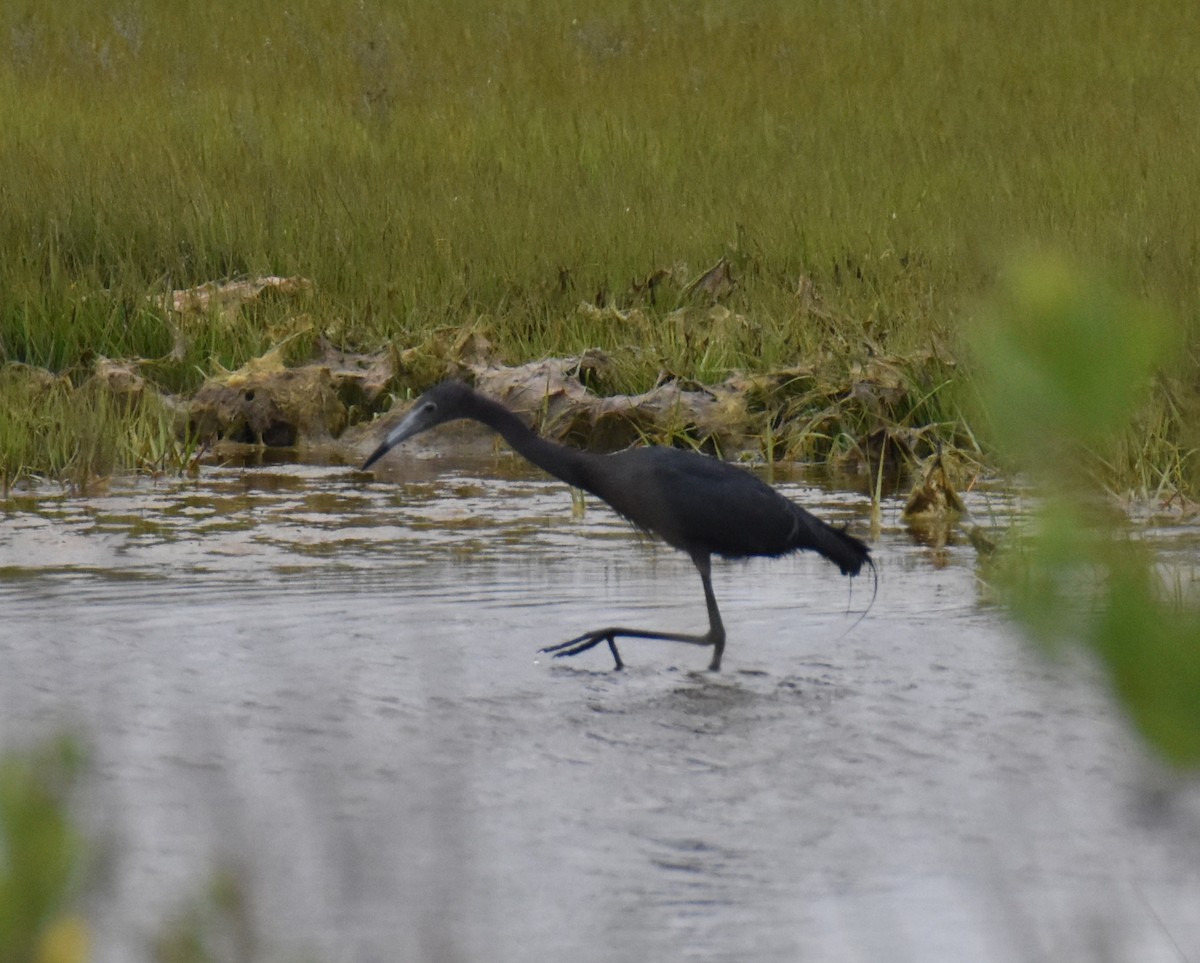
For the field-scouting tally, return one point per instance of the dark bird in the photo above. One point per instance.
(694, 503)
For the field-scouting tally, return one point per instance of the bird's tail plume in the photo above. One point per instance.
(845, 551)
(836, 544)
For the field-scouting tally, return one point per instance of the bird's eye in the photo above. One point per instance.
(430, 407)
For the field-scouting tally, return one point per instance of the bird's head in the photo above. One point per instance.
(441, 403)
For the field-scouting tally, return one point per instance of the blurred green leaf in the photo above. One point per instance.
(1153, 654)
(1063, 359)
(1048, 577)
(40, 852)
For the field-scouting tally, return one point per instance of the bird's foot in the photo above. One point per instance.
(584, 642)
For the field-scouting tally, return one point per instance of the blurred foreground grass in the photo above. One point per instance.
(42, 876)
(437, 168)
(41, 855)
(1065, 362)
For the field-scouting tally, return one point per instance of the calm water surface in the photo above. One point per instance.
(331, 685)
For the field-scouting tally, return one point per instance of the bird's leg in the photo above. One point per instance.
(715, 636)
(589, 640)
(716, 628)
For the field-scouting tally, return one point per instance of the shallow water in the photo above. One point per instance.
(332, 684)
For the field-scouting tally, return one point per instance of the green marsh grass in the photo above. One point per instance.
(433, 167)
(81, 434)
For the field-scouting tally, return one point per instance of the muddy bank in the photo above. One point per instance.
(306, 392)
(332, 400)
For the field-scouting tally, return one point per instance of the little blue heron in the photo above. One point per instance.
(697, 504)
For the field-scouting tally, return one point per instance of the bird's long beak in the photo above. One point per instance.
(378, 453)
(409, 425)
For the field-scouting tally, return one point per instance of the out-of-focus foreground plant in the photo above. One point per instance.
(40, 859)
(1064, 361)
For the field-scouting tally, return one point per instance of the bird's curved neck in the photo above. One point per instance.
(569, 464)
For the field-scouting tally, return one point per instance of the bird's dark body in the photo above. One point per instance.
(695, 503)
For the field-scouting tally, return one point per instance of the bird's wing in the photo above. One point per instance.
(696, 502)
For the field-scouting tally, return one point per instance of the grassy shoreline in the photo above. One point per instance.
(435, 171)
